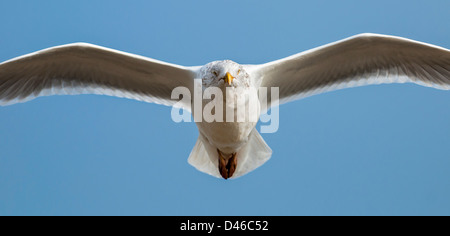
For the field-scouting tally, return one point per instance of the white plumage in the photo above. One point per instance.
(364, 59)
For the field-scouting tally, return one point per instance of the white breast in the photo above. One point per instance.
(242, 111)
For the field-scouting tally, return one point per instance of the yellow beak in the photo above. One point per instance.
(228, 78)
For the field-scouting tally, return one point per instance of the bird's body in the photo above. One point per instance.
(226, 102)
(227, 136)
(227, 128)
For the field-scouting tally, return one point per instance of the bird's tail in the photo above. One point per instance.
(254, 153)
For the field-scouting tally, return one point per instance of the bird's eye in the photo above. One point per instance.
(239, 71)
(215, 73)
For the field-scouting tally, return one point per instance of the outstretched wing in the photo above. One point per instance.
(360, 60)
(82, 68)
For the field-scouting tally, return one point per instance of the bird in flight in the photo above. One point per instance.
(225, 148)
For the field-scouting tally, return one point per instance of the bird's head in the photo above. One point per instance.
(224, 74)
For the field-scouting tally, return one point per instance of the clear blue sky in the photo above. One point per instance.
(377, 150)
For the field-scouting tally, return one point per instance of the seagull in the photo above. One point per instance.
(225, 149)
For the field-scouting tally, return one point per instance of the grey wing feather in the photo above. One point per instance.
(82, 68)
(360, 60)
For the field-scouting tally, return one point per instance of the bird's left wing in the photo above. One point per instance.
(360, 60)
(82, 68)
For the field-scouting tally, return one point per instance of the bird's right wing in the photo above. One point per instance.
(360, 60)
(82, 68)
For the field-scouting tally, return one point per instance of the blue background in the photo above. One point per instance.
(376, 150)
